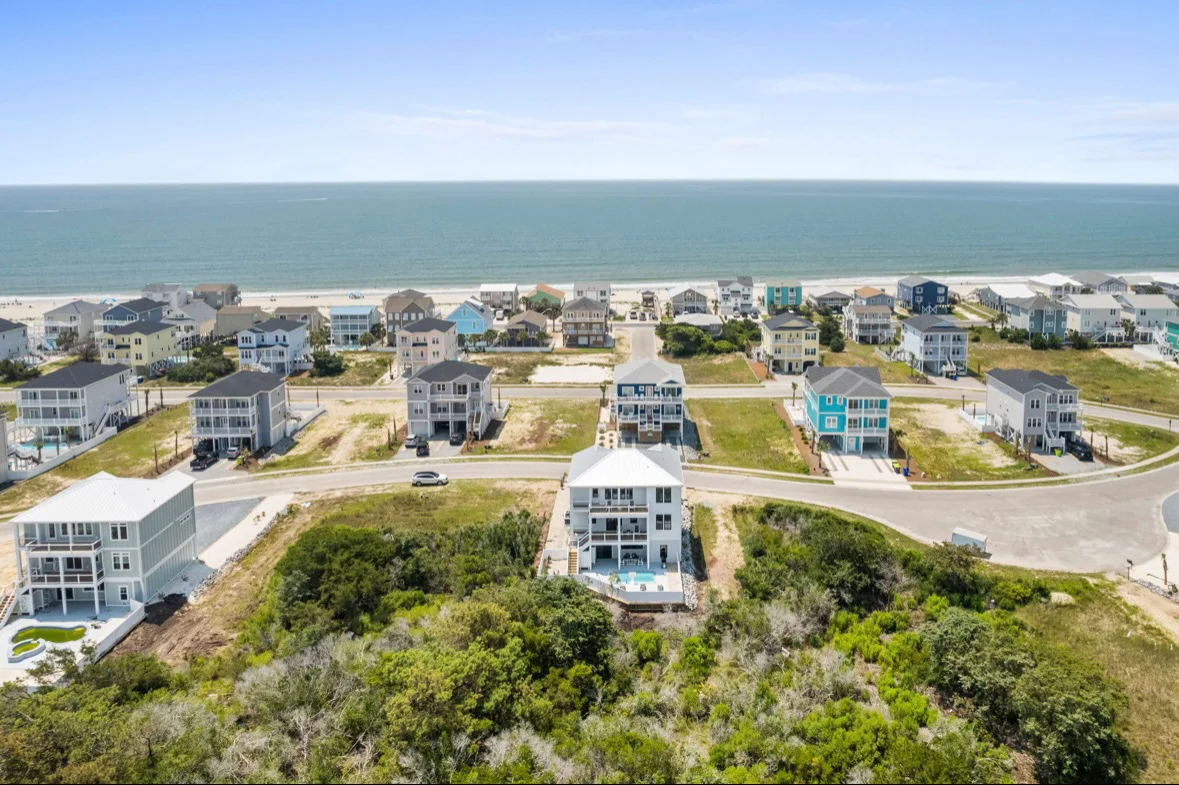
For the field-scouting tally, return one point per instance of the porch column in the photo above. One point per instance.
(94, 578)
(16, 529)
(65, 608)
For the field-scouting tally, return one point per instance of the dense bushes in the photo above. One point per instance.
(324, 363)
(208, 363)
(15, 371)
(683, 340)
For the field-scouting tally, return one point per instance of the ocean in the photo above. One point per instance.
(342, 236)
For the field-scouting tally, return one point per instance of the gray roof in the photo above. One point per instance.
(242, 384)
(197, 310)
(427, 325)
(648, 372)
(1037, 303)
(145, 327)
(925, 322)
(140, 305)
(6, 325)
(449, 370)
(831, 293)
(538, 320)
(744, 280)
(1026, 381)
(1093, 278)
(855, 381)
(163, 287)
(214, 287)
(77, 306)
(863, 308)
(74, 376)
(270, 325)
(792, 320)
(700, 320)
(914, 280)
(582, 304)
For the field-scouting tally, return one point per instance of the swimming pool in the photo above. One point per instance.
(640, 577)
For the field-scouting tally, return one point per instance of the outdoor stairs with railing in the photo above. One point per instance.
(572, 566)
(7, 602)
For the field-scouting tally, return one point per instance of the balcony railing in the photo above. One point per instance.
(71, 578)
(86, 545)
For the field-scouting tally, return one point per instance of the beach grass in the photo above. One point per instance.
(864, 354)
(512, 368)
(1138, 441)
(361, 369)
(547, 426)
(745, 433)
(730, 368)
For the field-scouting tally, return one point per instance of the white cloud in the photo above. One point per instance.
(827, 82)
(481, 123)
(1156, 113)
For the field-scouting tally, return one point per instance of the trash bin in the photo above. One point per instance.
(906, 471)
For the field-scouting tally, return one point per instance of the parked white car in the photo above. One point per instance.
(429, 478)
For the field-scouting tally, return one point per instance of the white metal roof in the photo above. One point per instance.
(626, 467)
(1010, 290)
(1054, 279)
(104, 498)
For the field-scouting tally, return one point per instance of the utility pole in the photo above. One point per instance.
(176, 443)
(1129, 566)
(157, 452)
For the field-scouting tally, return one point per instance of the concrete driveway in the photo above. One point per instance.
(869, 470)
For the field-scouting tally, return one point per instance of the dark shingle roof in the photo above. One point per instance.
(140, 305)
(270, 325)
(537, 320)
(449, 370)
(427, 325)
(6, 325)
(147, 328)
(241, 384)
(1026, 381)
(927, 321)
(854, 381)
(74, 376)
(914, 280)
(582, 304)
(794, 321)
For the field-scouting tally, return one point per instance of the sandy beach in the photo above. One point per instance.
(29, 309)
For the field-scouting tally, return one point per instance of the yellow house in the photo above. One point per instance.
(145, 346)
(789, 343)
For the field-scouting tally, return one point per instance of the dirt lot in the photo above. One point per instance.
(348, 431)
(724, 555)
(547, 425)
(1132, 358)
(947, 448)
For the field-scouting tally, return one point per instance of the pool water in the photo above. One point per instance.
(640, 577)
(50, 634)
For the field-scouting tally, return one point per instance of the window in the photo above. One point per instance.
(663, 522)
(1034, 404)
(121, 560)
(124, 594)
(119, 531)
(830, 423)
(75, 563)
(663, 495)
(82, 529)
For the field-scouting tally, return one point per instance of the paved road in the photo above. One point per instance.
(642, 340)
(1091, 527)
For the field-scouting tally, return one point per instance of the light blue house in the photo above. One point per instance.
(847, 407)
(471, 317)
(140, 309)
(785, 294)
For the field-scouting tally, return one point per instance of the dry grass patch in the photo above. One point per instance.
(548, 425)
(730, 368)
(747, 433)
(947, 448)
(347, 432)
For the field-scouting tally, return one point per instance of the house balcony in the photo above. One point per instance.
(610, 506)
(214, 431)
(79, 545)
(69, 578)
(612, 537)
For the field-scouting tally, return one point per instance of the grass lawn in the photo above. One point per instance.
(863, 354)
(361, 369)
(745, 433)
(718, 369)
(9, 410)
(549, 426)
(127, 454)
(1100, 377)
(1137, 442)
(1100, 627)
(948, 449)
(438, 509)
(704, 527)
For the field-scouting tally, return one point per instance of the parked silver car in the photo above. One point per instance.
(429, 478)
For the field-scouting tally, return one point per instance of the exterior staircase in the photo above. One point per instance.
(7, 602)
(572, 566)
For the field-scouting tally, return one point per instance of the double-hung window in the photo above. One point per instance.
(121, 560)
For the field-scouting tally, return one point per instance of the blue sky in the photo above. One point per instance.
(304, 91)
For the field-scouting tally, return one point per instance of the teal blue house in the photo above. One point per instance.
(1173, 336)
(787, 294)
(847, 407)
(471, 318)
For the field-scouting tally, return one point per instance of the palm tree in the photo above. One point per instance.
(793, 392)
(603, 386)
(490, 337)
(1129, 328)
(367, 340)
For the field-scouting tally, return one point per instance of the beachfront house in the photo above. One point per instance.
(104, 541)
(403, 308)
(308, 315)
(194, 321)
(73, 404)
(847, 407)
(426, 342)
(734, 296)
(994, 295)
(830, 301)
(1055, 285)
(648, 400)
(1038, 315)
(709, 323)
(595, 290)
(543, 297)
(524, 328)
(649, 298)
(173, 295)
(500, 296)
(1097, 316)
(1033, 409)
(451, 397)
(217, 295)
(1170, 343)
(789, 343)
(1150, 314)
(585, 322)
(870, 295)
(868, 324)
(687, 299)
(142, 309)
(232, 319)
(783, 295)
(934, 345)
(247, 410)
(148, 348)
(919, 294)
(77, 316)
(349, 322)
(471, 319)
(14, 340)
(278, 346)
(626, 513)
(1100, 283)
